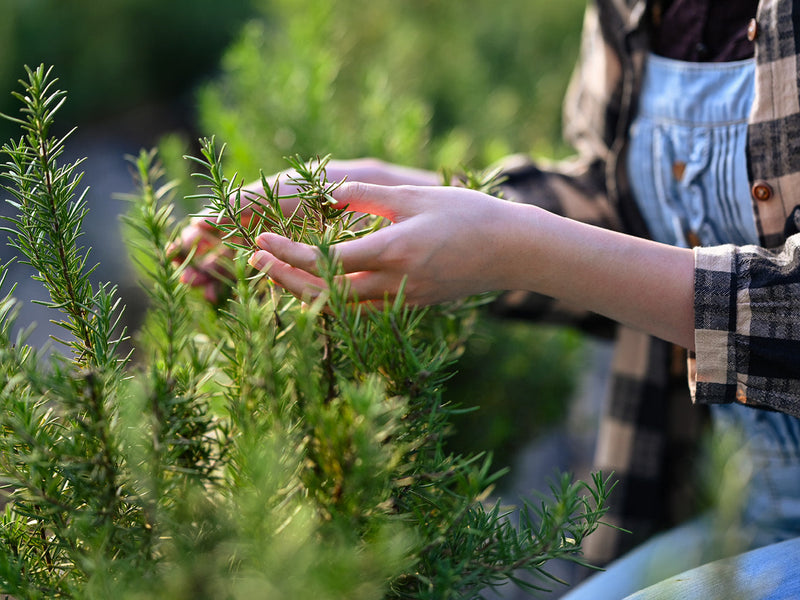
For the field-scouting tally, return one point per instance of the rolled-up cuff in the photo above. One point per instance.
(712, 370)
(747, 335)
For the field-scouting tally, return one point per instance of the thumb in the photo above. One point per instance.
(394, 202)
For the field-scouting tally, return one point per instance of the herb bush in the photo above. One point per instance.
(261, 449)
(425, 85)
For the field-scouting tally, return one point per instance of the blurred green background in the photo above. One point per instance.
(425, 83)
(420, 81)
(117, 55)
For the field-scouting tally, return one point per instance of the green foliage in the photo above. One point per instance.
(425, 84)
(261, 449)
(48, 226)
(517, 380)
(417, 82)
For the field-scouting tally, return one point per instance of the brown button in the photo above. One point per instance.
(678, 169)
(762, 191)
(741, 396)
(693, 239)
(752, 30)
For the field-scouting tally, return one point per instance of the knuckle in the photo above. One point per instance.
(299, 257)
(308, 259)
(354, 190)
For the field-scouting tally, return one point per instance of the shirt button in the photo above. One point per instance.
(701, 51)
(678, 169)
(762, 191)
(752, 30)
(693, 239)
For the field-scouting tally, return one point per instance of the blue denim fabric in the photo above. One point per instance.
(688, 172)
(770, 459)
(686, 160)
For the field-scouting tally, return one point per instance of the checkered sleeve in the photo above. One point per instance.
(747, 326)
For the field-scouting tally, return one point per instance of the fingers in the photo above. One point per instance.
(396, 203)
(201, 235)
(302, 284)
(372, 287)
(363, 286)
(206, 269)
(301, 256)
(392, 202)
(293, 266)
(194, 237)
(362, 254)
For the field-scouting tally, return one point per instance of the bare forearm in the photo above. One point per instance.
(643, 284)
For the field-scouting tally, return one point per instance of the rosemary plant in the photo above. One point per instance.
(257, 449)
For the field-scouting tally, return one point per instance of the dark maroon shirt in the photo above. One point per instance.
(702, 30)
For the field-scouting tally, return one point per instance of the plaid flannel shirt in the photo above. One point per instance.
(747, 298)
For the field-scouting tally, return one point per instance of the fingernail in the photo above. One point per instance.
(262, 241)
(259, 260)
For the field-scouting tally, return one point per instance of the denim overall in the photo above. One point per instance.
(688, 171)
